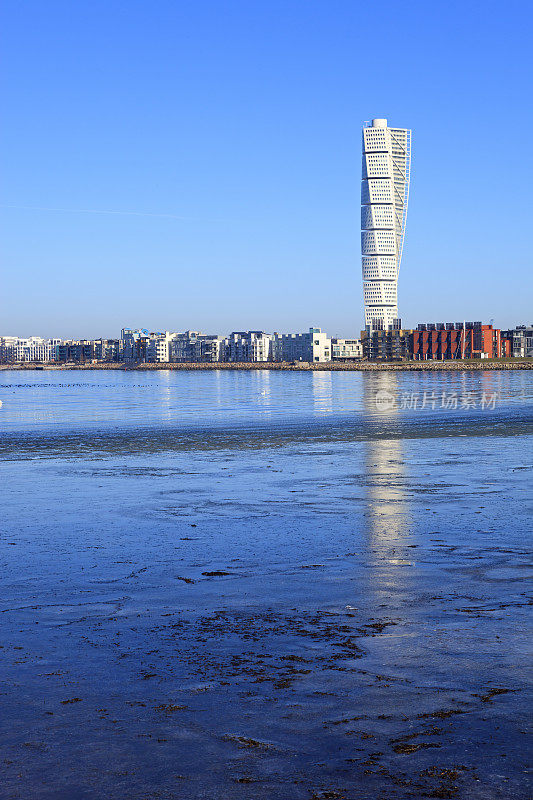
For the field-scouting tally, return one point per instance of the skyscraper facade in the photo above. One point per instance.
(384, 195)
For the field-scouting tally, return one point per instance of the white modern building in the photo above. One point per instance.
(384, 196)
(346, 349)
(208, 348)
(33, 349)
(248, 346)
(312, 346)
(182, 346)
(158, 347)
(193, 346)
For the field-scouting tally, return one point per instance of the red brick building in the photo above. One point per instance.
(440, 341)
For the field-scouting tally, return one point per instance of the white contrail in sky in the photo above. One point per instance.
(97, 211)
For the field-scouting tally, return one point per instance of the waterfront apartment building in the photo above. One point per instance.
(7, 344)
(78, 351)
(33, 349)
(312, 346)
(443, 341)
(107, 350)
(81, 351)
(166, 347)
(182, 346)
(133, 343)
(208, 348)
(248, 346)
(158, 347)
(346, 349)
(436, 341)
(195, 347)
(520, 341)
(384, 197)
(386, 345)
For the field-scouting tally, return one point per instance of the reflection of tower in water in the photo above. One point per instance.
(387, 507)
(322, 391)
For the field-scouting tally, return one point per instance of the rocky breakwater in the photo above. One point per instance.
(347, 366)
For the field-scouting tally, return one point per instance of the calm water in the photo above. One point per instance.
(226, 585)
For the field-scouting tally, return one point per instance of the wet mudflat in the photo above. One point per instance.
(311, 600)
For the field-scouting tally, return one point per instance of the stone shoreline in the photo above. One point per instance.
(364, 366)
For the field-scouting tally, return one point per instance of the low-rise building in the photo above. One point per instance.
(208, 348)
(520, 341)
(248, 346)
(440, 341)
(7, 343)
(158, 347)
(346, 349)
(196, 347)
(33, 349)
(77, 351)
(389, 345)
(182, 346)
(107, 350)
(133, 343)
(312, 346)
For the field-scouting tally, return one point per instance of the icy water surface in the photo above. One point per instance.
(259, 585)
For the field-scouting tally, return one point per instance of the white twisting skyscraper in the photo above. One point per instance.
(384, 194)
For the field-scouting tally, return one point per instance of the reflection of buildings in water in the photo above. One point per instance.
(262, 390)
(322, 391)
(218, 389)
(490, 386)
(164, 380)
(387, 506)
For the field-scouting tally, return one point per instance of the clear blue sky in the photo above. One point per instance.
(232, 129)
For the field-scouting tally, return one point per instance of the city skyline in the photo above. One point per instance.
(429, 341)
(202, 170)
